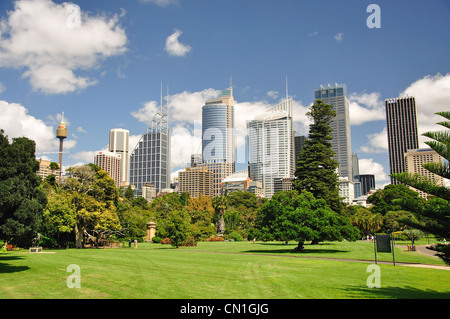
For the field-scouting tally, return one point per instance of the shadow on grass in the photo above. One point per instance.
(8, 268)
(290, 249)
(396, 293)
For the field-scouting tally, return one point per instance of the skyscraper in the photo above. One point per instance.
(150, 159)
(336, 96)
(271, 146)
(118, 144)
(111, 163)
(218, 130)
(401, 120)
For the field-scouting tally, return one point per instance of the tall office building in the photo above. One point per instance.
(118, 144)
(355, 166)
(367, 182)
(150, 159)
(111, 163)
(271, 146)
(336, 96)
(413, 164)
(218, 130)
(401, 120)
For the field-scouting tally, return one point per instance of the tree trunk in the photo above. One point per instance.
(79, 232)
(299, 247)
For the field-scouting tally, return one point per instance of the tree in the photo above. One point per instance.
(434, 216)
(22, 199)
(176, 227)
(365, 220)
(301, 217)
(220, 204)
(316, 167)
(383, 200)
(93, 195)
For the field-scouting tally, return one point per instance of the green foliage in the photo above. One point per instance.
(301, 217)
(365, 220)
(176, 226)
(434, 216)
(22, 199)
(383, 200)
(316, 168)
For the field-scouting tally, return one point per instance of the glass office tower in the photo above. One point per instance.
(336, 96)
(271, 146)
(150, 159)
(218, 130)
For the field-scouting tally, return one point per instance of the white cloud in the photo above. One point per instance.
(184, 107)
(339, 37)
(272, 94)
(81, 129)
(377, 143)
(41, 37)
(432, 94)
(368, 166)
(174, 47)
(16, 122)
(161, 3)
(366, 107)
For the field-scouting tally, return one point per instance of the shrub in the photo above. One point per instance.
(215, 238)
(189, 242)
(165, 241)
(156, 239)
(236, 236)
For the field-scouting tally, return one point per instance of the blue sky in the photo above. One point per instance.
(106, 71)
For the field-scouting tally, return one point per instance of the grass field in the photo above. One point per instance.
(220, 270)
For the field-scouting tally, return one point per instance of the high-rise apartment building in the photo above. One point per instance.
(111, 163)
(220, 171)
(197, 181)
(401, 120)
(119, 144)
(218, 130)
(271, 146)
(150, 159)
(336, 96)
(413, 164)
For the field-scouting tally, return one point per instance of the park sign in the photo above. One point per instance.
(383, 243)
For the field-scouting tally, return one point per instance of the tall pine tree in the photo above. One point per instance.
(316, 167)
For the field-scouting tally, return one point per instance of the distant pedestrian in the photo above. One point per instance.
(254, 240)
(129, 243)
(444, 241)
(135, 244)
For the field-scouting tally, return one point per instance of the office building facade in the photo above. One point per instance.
(336, 96)
(119, 144)
(218, 130)
(197, 181)
(367, 183)
(150, 159)
(111, 163)
(413, 164)
(271, 146)
(401, 124)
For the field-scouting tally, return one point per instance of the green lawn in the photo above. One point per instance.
(220, 270)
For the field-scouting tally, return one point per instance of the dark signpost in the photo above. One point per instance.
(384, 244)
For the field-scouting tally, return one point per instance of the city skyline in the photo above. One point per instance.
(104, 70)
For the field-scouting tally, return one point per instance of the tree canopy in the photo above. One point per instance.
(302, 217)
(22, 200)
(316, 168)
